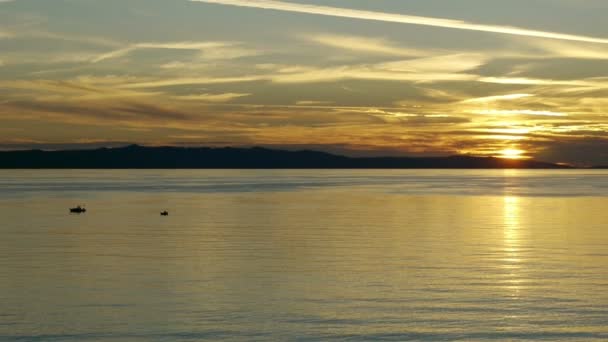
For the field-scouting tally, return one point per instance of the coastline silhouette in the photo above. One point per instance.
(140, 157)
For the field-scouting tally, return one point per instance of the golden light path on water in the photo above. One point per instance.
(513, 260)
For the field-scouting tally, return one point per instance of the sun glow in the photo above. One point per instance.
(512, 153)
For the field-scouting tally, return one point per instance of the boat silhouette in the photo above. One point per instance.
(78, 210)
(164, 213)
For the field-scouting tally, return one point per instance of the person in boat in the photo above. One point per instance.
(78, 209)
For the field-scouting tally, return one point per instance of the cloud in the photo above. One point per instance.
(6, 35)
(598, 83)
(209, 50)
(517, 112)
(76, 90)
(429, 69)
(497, 98)
(560, 49)
(84, 113)
(190, 81)
(215, 98)
(438, 64)
(400, 18)
(89, 40)
(432, 69)
(312, 103)
(364, 72)
(361, 44)
(171, 46)
(416, 119)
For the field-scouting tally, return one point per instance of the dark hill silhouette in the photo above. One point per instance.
(139, 157)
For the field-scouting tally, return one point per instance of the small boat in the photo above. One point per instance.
(78, 210)
(164, 213)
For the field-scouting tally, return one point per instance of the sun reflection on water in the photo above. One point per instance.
(511, 219)
(512, 228)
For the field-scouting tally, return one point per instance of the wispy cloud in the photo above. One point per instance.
(595, 83)
(570, 50)
(213, 98)
(5, 34)
(312, 103)
(400, 18)
(498, 98)
(362, 72)
(438, 64)
(172, 46)
(209, 50)
(517, 112)
(89, 40)
(364, 44)
(191, 81)
(431, 69)
(427, 69)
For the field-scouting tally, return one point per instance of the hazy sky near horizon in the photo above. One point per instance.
(433, 77)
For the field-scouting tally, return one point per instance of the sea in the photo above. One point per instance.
(304, 255)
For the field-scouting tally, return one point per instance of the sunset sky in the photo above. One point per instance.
(510, 78)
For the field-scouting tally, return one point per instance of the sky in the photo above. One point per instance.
(517, 79)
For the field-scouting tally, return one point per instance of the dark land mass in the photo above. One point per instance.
(139, 157)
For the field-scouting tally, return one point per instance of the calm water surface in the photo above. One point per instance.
(304, 255)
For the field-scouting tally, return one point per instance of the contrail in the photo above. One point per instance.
(400, 18)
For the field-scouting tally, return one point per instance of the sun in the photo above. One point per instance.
(512, 153)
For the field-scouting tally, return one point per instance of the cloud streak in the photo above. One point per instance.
(213, 98)
(488, 99)
(401, 18)
(209, 50)
(518, 112)
(5, 35)
(361, 44)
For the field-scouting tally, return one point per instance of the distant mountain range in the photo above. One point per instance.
(140, 157)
